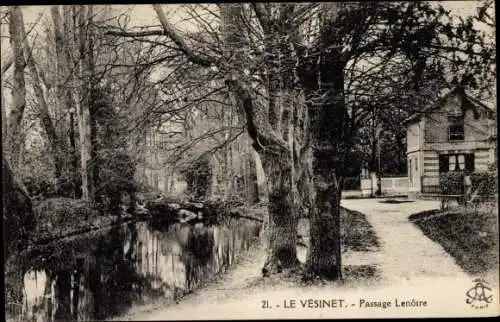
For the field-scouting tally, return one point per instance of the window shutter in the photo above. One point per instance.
(469, 162)
(443, 163)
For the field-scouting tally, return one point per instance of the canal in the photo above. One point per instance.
(102, 274)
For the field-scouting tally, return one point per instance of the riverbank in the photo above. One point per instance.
(244, 278)
(58, 218)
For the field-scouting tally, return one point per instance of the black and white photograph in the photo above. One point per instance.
(249, 160)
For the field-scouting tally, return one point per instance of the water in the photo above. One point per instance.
(103, 274)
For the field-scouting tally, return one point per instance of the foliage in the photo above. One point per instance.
(451, 183)
(62, 212)
(485, 183)
(198, 176)
(115, 177)
(39, 188)
(113, 168)
(351, 183)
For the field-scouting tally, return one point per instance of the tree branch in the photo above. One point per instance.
(133, 34)
(183, 47)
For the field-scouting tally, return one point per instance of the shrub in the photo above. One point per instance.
(351, 183)
(451, 183)
(485, 183)
(114, 177)
(198, 176)
(58, 216)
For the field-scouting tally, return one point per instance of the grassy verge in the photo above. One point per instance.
(356, 233)
(471, 237)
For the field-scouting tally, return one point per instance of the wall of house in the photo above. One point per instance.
(415, 173)
(430, 175)
(436, 124)
(482, 159)
(428, 138)
(412, 137)
(476, 134)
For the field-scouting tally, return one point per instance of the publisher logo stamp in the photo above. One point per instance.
(480, 295)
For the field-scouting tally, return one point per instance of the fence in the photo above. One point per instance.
(389, 185)
(430, 185)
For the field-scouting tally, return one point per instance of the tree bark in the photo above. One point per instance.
(13, 140)
(282, 222)
(71, 95)
(56, 144)
(272, 149)
(4, 114)
(83, 107)
(323, 76)
(64, 107)
(252, 184)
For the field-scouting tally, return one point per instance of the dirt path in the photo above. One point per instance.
(406, 253)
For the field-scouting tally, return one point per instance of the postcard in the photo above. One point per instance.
(214, 161)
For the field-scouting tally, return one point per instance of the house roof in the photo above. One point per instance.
(468, 102)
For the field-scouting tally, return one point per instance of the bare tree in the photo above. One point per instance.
(13, 139)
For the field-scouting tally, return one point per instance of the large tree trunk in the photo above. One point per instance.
(252, 184)
(65, 106)
(4, 114)
(13, 140)
(324, 77)
(83, 107)
(71, 93)
(324, 256)
(282, 222)
(56, 144)
(273, 150)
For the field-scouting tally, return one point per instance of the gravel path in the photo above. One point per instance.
(405, 253)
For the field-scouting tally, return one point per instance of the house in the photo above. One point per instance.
(456, 133)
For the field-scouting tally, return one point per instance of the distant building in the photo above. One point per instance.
(456, 133)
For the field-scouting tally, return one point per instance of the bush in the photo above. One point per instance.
(56, 216)
(351, 183)
(39, 188)
(198, 176)
(485, 183)
(57, 211)
(115, 177)
(451, 183)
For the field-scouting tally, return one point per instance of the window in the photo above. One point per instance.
(455, 127)
(456, 162)
(456, 131)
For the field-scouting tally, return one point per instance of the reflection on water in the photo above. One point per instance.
(101, 275)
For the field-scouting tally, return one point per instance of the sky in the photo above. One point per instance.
(144, 15)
